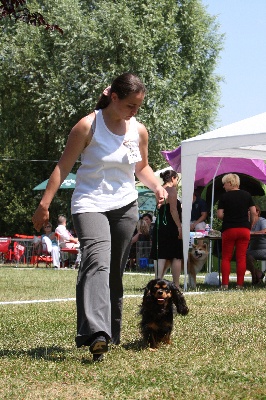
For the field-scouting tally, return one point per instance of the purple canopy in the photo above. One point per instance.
(206, 167)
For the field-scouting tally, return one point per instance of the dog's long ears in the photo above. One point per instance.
(179, 301)
(148, 287)
(146, 292)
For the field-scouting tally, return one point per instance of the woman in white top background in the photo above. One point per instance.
(113, 147)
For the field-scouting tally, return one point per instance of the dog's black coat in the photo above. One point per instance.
(160, 296)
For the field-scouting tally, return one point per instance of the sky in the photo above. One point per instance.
(242, 63)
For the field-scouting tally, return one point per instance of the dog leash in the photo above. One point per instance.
(164, 221)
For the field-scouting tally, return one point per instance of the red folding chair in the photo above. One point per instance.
(17, 254)
(65, 252)
(41, 255)
(44, 258)
(5, 250)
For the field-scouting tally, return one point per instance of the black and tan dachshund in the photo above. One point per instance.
(159, 299)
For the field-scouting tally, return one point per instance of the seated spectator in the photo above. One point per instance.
(141, 234)
(66, 239)
(199, 213)
(49, 243)
(148, 218)
(257, 247)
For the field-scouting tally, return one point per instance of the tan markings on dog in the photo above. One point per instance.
(153, 326)
(166, 339)
(167, 324)
(162, 292)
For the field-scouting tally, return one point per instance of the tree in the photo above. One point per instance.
(49, 81)
(15, 9)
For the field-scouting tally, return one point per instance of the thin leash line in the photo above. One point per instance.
(164, 221)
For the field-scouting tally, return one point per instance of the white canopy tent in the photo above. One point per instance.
(243, 139)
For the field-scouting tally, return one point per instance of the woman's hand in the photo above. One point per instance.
(40, 217)
(192, 227)
(161, 195)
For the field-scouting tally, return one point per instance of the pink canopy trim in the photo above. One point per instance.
(206, 166)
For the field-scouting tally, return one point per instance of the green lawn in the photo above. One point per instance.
(218, 351)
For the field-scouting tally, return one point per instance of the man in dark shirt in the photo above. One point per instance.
(199, 213)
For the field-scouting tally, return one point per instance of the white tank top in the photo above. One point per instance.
(105, 180)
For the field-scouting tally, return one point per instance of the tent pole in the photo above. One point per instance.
(213, 180)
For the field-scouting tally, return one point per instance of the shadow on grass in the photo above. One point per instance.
(86, 360)
(53, 353)
(136, 345)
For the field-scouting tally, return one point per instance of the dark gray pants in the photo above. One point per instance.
(105, 239)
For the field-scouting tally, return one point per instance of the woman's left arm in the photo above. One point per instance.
(220, 213)
(144, 172)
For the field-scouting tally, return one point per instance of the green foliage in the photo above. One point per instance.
(49, 81)
(17, 11)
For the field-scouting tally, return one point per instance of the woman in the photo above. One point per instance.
(167, 244)
(147, 217)
(141, 234)
(113, 146)
(49, 243)
(233, 210)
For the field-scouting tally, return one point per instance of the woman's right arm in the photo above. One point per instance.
(79, 137)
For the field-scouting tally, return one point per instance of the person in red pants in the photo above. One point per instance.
(233, 210)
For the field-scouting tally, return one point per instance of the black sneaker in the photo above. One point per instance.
(99, 346)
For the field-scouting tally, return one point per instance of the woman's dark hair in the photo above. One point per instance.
(123, 86)
(168, 175)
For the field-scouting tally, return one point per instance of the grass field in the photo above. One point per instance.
(218, 351)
